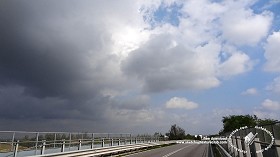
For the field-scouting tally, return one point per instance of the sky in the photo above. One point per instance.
(137, 66)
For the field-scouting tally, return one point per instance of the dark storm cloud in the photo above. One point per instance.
(52, 61)
(133, 103)
(40, 55)
(15, 105)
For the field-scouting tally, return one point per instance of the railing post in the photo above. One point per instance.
(15, 148)
(112, 142)
(92, 141)
(235, 144)
(63, 145)
(120, 139)
(247, 148)
(54, 140)
(70, 140)
(239, 145)
(13, 140)
(102, 142)
(136, 140)
(258, 147)
(36, 144)
(43, 147)
(119, 142)
(80, 145)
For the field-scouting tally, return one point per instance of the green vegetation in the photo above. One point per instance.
(266, 121)
(233, 122)
(191, 137)
(176, 133)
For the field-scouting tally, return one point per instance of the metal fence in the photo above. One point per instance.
(21, 143)
(264, 145)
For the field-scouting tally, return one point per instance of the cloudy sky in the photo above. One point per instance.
(137, 66)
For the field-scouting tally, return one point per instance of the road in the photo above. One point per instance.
(178, 150)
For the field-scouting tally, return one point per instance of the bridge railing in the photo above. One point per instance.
(262, 142)
(21, 143)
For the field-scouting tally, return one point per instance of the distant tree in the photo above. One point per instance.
(167, 134)
(77, 136)
(158, 135)
(176, 133)
(266, 121)
(198, 138)
(49, 137)
(86, 136)
(41, 137)
(26, 138)
(63, 136)
(233, 122)
(58, 137)
(26, 142)
(190, 137)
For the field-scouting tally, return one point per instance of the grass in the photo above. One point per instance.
(4, 148)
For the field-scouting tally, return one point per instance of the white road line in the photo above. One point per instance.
(167, 155)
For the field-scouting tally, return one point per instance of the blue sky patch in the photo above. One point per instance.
(165, 14)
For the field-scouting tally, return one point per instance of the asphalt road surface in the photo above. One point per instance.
(178, 150)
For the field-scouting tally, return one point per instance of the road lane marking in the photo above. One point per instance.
(171, 153)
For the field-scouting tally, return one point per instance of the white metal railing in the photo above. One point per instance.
(22, 143)
(270, 147)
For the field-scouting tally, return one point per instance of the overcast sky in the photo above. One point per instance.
(137, 66)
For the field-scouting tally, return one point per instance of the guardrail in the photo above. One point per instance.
(262, 141)
(100, 151)
(21, 143)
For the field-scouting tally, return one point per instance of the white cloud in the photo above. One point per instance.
(163, 65)
(241, 26)
(275, 85)
(250, 91)
(181, 54)
(268, 109)
(237, 23)
(237, 63)
(180, 103)
(272, 52)
(199, 19)
(271, 105)
(127, 39)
